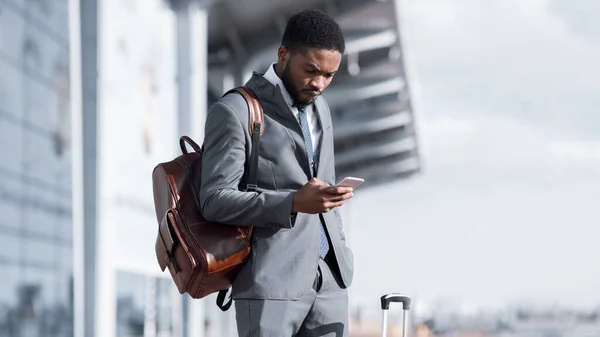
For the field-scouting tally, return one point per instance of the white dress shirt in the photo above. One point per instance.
(311, 115)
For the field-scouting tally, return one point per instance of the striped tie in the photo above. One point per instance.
(311, 164)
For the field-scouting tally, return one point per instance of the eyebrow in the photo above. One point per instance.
(312, 65)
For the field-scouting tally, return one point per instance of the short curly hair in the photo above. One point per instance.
(312, 28)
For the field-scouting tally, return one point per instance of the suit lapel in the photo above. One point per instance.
(281, 107)
(283, 110)
(266, 92)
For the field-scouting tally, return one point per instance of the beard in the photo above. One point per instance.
(286, 78)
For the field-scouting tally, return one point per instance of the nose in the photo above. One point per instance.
(318, 83)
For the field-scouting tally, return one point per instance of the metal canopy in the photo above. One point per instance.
(369, 97)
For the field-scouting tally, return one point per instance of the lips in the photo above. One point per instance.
(311, 93)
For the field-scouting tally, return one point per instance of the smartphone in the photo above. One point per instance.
(351, 182)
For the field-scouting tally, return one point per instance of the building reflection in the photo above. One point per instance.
(32, 317)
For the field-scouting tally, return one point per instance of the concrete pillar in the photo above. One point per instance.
(192, 73)
(83, 85)
(183, 68)
(199, 66)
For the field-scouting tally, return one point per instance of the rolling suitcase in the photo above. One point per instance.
(385, 306)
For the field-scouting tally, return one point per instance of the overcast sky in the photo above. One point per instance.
(507, 207)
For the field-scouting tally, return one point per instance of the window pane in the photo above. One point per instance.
(11, 137)
(40, 252)
(11, 32)
(10, 246)
(11, 92)
(53, 15)
(11, 195)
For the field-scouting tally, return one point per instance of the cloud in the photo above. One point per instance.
(580, 152)
(505, 145)
(513, 57)
(580, 16)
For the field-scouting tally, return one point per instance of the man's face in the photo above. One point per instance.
(306, 75)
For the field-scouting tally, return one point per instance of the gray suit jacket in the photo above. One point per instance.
(285, 248)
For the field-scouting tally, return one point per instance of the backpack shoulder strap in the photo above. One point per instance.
(256, 129)
(255, 111)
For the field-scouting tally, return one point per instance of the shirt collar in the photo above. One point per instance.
(272, 77)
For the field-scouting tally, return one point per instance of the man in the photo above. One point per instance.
(296, 280)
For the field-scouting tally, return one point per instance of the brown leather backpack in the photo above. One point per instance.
(202, 257)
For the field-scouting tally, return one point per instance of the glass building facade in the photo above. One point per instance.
(134, 84)
(36, 285)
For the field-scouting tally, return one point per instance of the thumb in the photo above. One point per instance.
(315, 181)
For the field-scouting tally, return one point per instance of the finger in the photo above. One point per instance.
(320, 183)
(340, 197)
(332, 205)
(338, 190)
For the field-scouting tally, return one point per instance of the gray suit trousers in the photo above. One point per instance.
(322, 311)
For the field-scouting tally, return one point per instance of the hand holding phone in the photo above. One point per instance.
(319, 197)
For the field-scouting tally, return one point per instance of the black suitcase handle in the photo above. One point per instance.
(397, 298)
(385, 306)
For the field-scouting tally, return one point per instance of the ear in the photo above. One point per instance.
(283, 54)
